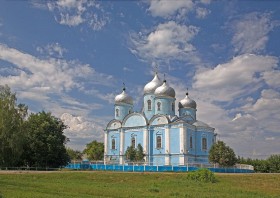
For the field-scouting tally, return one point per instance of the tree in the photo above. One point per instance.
(139, 153)
(130, 153)
(133, 154)
(222, 154)
(94, 150)
(274, 163)
(45, 141)
(11, 127)
(74, 154)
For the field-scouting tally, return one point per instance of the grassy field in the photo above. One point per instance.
(113, 184)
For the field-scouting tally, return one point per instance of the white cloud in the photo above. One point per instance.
(52, 49)
(81, 131)
(77, 12)
(201, 13)
(169, 41)
(251, 32)
(163, 8)
(272, 78)
(241, 75)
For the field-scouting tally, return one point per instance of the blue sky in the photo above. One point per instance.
(71, 57)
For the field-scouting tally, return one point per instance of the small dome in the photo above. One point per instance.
(151, 86)
(187, 102)
(165, 90)
(123, 98)
(200, 124)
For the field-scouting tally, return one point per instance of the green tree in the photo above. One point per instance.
(133, 154)
(139, 153)
(11, 128)
(45, 141)
(74, 154)
(130, 153)
(274, 163)
(94, 150)
(222, 154)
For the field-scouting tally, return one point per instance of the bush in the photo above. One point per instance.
(202, 175)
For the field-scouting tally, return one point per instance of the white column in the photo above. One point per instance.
(146, 143)
(105, 145)
(122, 146)
(167, 146)
(182, 145)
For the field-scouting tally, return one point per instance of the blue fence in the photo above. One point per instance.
(144, 168)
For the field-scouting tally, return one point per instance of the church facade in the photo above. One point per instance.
(166, 138)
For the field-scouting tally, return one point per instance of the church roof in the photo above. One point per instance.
(165, 90)
(187, 102)
(151, 86)
(123, 98)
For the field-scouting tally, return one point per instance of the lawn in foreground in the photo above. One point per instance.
(114, 184)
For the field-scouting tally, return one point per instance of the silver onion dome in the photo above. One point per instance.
(123, 98)
(187, 102)
(151, 86)
(165, 90)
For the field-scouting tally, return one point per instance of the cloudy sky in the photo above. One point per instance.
(71, 57)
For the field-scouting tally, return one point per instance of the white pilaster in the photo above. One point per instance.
(105, 145)
(182, 145)
(146, 143)
(167, 146)
(122, 146)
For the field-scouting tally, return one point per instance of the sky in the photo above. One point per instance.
(72, 57)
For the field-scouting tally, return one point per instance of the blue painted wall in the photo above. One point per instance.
(166, 106)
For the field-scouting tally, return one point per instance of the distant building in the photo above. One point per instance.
(167, 139)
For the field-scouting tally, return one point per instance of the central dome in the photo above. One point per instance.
(165, 90)
(123, 98)
(151, 86)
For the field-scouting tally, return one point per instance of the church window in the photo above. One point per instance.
(158, 141)
(113, 144)
(117, 112)
(173, 106)
(191, 144)
(158, 106)
(149, 105)
(204, 143)
(133, 142)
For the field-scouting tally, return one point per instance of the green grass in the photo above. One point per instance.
(114, 184)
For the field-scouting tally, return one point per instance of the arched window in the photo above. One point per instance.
(117, 113)
(133, 142)
(173, 106)
(204, 143)
(158, 141)
(149, 105)
(158, 106)
(113, 144)
(191, 142)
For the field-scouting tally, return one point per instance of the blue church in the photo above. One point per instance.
(166, 138)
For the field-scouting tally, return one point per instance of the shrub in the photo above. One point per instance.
(202, 175)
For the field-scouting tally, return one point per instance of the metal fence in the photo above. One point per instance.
(142, 167)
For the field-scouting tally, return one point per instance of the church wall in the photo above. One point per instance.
(174, 140)
(166, 106)
(123, 111)
(149, 113)
(128, 134)
(135, 120)
(199, 135)
(187, 111)
(158, 132)
(113, 153)
(191, 133)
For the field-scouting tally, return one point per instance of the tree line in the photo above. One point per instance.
(34, 140)
(223, 155)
